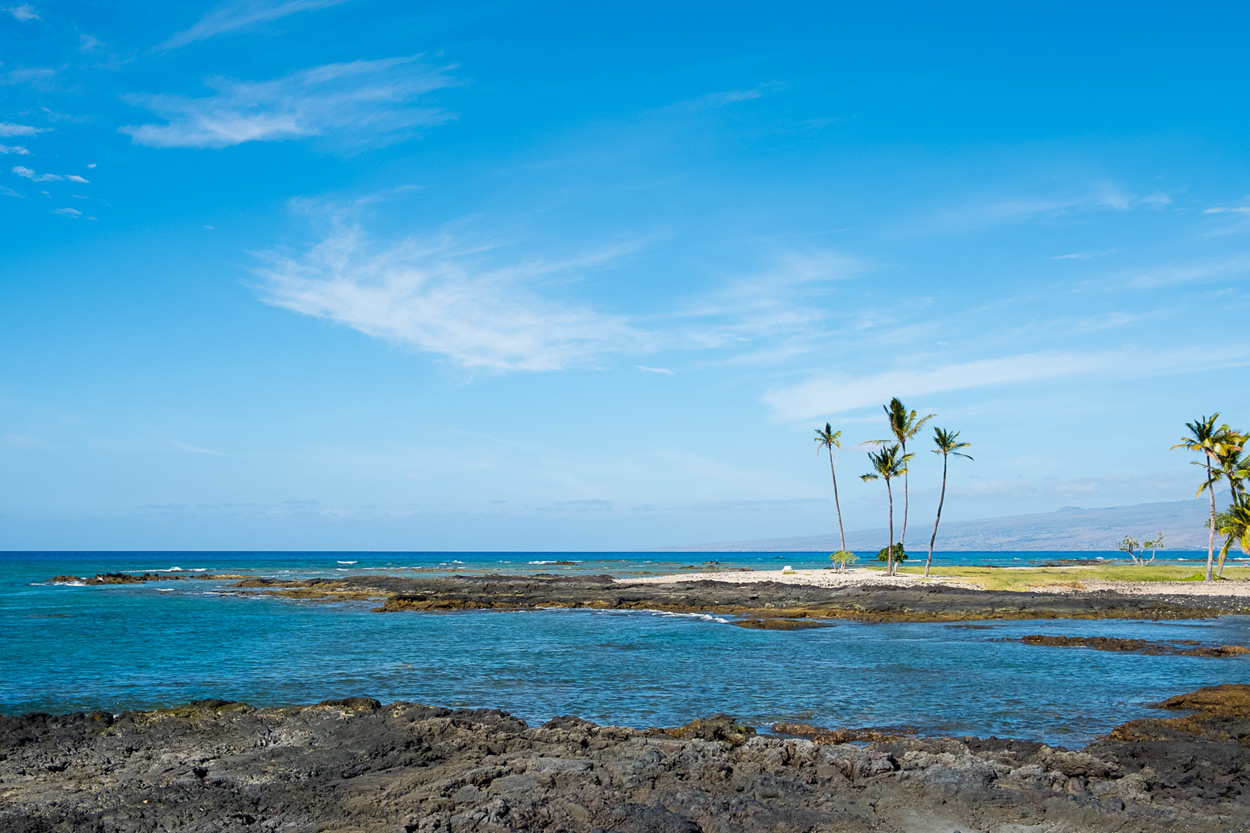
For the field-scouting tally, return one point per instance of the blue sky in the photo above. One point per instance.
(355, 274)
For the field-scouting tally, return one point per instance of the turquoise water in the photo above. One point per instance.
(118, 647)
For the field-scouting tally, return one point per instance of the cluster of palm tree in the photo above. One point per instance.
(1222, 461)
(890, 461)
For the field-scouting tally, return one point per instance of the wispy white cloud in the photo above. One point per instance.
(37, 76)
(35, 176)
(9, 192)
(27, 173)
(361, 101)
(195, 449)
(67, 212)
(14, 149)
(773, 304)
(1084, 255)
(726, 97)
(11, 129)
(662, 370)
(841, 393)
(985, 214)
(768, 317)
(244, 14)
(1229, 219)
(442, 297)
(23, 12)
(1235, 267)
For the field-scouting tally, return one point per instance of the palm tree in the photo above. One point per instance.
(887, 464)
(1235, 523)
(830, 439)
(904, 426)
(947, 443)
(1235, 469)
(1204, 438)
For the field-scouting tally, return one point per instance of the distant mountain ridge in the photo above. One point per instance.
(1183, 523)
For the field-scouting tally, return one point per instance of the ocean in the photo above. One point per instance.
(67, 648)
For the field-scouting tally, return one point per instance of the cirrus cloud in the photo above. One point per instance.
(243, 15)
(842, 393)
(362, 102)
(443, 298)
(10, 129)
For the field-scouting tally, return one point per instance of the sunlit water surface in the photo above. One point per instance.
(120, 647)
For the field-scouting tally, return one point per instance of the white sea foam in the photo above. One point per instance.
(164, 590)
(57, 584)
(346, 562)
(670, 614)
(703, 617)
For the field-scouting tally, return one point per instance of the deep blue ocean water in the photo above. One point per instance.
(68, 648)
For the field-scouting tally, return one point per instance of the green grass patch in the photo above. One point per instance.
(1023, 578)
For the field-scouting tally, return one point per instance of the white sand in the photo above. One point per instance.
(819, 578)
(1238, 583)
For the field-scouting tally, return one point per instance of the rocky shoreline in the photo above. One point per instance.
(769, 604)
(865, 602)
(357, 765)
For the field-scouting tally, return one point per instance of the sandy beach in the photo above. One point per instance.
(1237, 585)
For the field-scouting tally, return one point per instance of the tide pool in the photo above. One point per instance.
(159, 644)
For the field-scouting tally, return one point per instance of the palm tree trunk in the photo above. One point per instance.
(1211, 537)
(906, 499)
(937, 520)
(1232, 493)
(837, 505)
(889, 552)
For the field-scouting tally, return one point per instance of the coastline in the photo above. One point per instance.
(862, 596)
(354, 765)
(357, 765)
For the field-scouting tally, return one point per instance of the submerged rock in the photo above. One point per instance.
(721, 727)
(1184, 648)
(780, 624)
(115, 578)
(824, 736)
(142, 578)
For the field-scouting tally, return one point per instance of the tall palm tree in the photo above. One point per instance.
(947, 443)
(830, 439)
(1234, 468)
(887, 464)
(904, 426)
(1204, 438)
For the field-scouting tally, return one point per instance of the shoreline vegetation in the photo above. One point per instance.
(355, 764)
(1221, 450)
